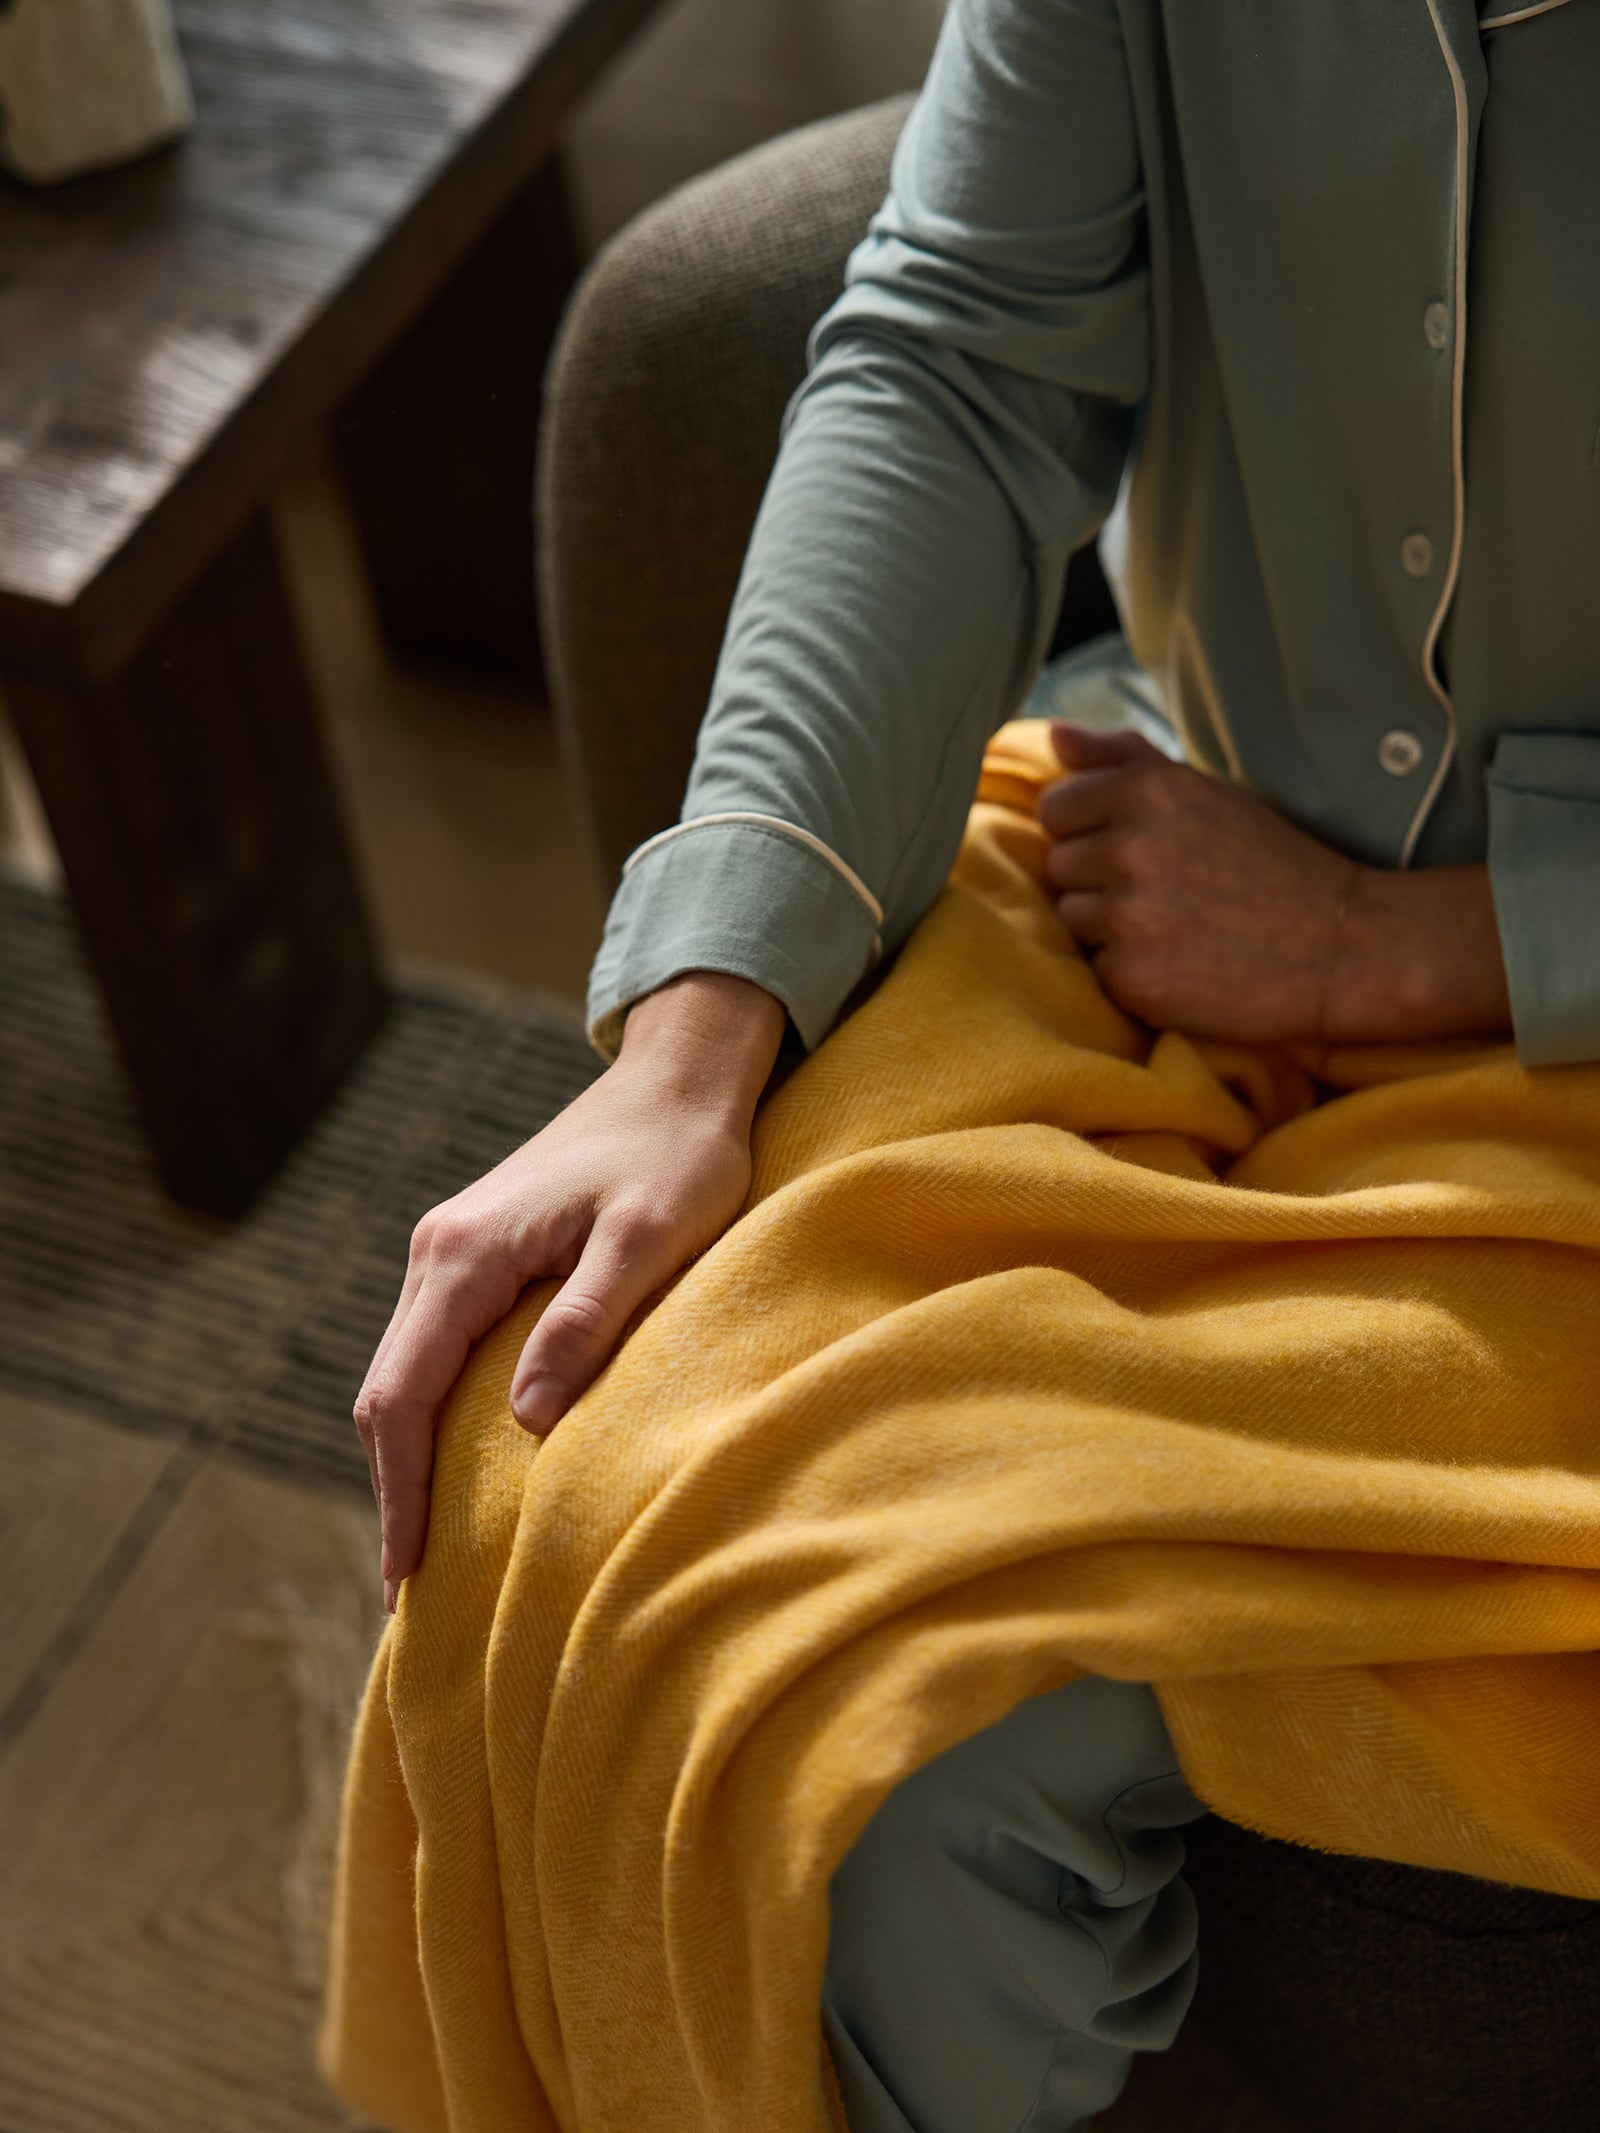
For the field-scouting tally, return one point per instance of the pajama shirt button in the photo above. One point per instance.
(1399, 752)
(1436, 325)
(1416, 555)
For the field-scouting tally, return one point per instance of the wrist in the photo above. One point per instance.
(706, 1038)
(1372, 981)
(1419, 958)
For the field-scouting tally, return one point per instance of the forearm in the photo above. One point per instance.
(1417, 956)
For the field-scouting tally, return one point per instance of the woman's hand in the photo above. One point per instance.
(1208, 912)
(613, 1198)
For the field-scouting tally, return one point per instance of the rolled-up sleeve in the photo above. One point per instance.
(963, 427)
(1544, 869)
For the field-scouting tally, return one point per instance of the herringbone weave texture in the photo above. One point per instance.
(1043, 1346)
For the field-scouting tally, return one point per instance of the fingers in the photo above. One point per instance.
(1098, 785)
(458, 1290)
(628, 1256)
(1071, 807)
(397, 1318)
(1085, 914)
(1087, 862)
(1081, 748)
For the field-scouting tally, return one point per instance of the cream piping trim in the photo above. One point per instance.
(812, 843)
(1458, 469)
(1523, 14)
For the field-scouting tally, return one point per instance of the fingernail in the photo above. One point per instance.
(386, 1564)
(538, 1405)
(390, 1596)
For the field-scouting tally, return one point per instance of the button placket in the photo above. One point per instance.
(1456, 284)
(1436, 323)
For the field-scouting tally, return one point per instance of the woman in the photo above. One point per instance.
(1219, 259)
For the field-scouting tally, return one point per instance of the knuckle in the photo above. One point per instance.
(1126, 851)
(638, 1226)
(1140, 800)
(450, 1233)
(381, 1407)
(1061, 863)
(1114, 972)
(1131, 948)
(1148, 779)
(1054, 809)
(1130, 975)
(457, 1240)
(576, 1321)
(1136, 922)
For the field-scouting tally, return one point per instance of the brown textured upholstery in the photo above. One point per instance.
(1370, 1998)
(679, 352)
(1360, 1995)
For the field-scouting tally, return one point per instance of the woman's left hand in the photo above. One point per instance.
(1204, 910)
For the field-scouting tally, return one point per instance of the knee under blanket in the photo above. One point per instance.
(1042, 1346)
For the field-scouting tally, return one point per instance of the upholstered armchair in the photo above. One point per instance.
(1356, 1994)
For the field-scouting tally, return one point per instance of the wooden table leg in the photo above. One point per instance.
(437, 448)
(191, 804)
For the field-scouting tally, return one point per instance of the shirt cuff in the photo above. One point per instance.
(1544, 871)
(756, 903)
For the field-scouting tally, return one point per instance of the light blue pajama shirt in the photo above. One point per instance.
(1316, 288)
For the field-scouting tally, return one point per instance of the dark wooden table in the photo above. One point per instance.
(365, 227)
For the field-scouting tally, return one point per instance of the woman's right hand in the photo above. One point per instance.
(614, 1197)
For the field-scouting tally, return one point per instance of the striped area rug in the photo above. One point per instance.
(188, 1585)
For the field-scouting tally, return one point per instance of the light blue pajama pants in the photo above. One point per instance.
(1010, 1928)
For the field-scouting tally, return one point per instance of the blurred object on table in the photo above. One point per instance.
(85, 84)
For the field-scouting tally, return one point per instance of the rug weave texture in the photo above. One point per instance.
(188, 1550)
(255, 1336)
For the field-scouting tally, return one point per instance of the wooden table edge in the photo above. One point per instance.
(85, 640)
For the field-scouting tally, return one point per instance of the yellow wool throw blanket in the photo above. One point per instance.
(1043, 1346)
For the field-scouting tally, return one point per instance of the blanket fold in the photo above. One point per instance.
(1043, 1346)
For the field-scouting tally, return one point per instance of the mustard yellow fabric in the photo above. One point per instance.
(1041, 1347)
